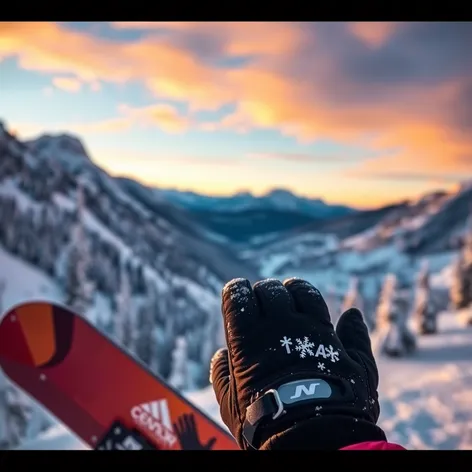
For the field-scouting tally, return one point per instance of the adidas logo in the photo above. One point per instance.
(158, 409)
(155, 417)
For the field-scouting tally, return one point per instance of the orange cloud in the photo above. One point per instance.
(68, 84)
(163, 116)
(298, 79)
(169, 71)
(238, 38)
(300, 157)
(373, 33)
(430, 149)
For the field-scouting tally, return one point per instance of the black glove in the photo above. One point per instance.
(288, 380)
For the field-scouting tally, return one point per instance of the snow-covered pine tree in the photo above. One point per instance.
(332, 303)
(457, 293)
(38, 422)
(3, 287)
(355, 299)
(4, 426)
(209, 343)
(123, 326)
(77, 286)
(461, 287)
(165, 346)
(14, 415)
(179, 377)
(467, 252)
(146, 342)
(467, 274)
(374, 303)
(392, 335)
(425, 312)
(385, 300)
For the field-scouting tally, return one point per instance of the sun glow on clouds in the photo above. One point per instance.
(382, 86)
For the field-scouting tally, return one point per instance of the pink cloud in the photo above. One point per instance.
(68, 84)
(385, 85)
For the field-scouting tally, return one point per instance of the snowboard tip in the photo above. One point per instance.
(28, 332)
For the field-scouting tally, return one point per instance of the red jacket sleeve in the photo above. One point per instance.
(374, 446)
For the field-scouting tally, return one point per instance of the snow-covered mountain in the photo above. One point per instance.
(172, 267)
(277, 199)
(243, 216)
(369, 242)
(158, 265)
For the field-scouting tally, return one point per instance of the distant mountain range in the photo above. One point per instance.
(275, 200)
(244, 217)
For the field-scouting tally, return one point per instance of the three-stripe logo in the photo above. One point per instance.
(158, 409)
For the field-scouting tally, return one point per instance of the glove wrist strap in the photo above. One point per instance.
(328, 392)
(267, 407)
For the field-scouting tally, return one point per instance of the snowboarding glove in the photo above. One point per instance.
(288, 379)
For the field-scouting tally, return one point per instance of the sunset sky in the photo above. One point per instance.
(356, 113)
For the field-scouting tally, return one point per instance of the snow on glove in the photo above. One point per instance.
(288, 380)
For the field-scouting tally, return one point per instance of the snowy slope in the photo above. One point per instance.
(24, 282)
(187, 264)
(426, 401)
(157, 245)
(430, 226)
(172, 267)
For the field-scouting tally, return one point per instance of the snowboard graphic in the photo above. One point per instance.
(103, 394)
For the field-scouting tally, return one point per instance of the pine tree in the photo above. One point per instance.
(355, 299)
(38, 422)
(392, 335)
(179, 375)
(461, 288)
(468, 268)
(374, 303)
(333, 304)
(209, 343)
(146, 342)
(123, 326)
(458, 293)
(425, 312)
(4, 424)
(14, 415)
(3, 287)
(165, 347)
(78, 288)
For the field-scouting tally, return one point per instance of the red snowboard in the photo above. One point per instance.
(95, 388)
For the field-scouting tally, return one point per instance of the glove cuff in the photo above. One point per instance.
(326, 433)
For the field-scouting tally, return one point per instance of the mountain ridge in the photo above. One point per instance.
(174, 267)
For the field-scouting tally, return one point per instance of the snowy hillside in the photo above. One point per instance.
(372, 242)
(426, 401)
(147, 271)
(140, 268)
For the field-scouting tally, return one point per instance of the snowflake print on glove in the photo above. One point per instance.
(332, 354)
(286, 343)
(304, 347)
(321, 366)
